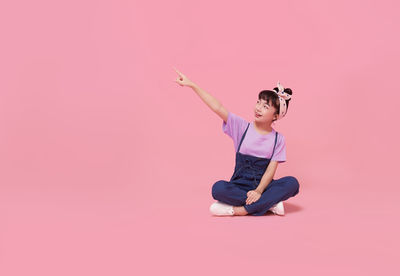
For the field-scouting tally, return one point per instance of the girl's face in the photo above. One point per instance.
(263, 112)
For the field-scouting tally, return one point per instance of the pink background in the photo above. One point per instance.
(107, 164)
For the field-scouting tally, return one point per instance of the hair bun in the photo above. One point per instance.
(289, 91)
(286, 90)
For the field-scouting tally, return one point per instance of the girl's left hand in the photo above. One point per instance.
(252, 196)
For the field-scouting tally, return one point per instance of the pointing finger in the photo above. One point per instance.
(177, 71)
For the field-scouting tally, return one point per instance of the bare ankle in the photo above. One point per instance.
(239, 211)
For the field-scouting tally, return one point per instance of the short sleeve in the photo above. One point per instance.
(234, 127)
(280, 150)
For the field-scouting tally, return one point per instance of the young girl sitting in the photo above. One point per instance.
(259, 148)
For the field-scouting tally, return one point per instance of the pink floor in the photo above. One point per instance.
(332, 227)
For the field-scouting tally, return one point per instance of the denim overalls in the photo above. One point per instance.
(248, 172)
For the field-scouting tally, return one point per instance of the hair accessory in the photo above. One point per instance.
(283, 96)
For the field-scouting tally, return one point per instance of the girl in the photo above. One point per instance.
(259, 148)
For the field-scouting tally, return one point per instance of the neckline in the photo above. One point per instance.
(260, 134)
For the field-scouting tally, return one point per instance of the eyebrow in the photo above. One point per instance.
(265, 103)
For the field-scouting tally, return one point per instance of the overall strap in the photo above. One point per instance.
(243, 137)
(273, 151)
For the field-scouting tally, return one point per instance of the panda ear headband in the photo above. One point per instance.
(283, 96)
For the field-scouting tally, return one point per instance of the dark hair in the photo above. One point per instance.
(272, 98)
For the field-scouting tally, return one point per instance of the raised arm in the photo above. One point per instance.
(208, 99)
(212, 102)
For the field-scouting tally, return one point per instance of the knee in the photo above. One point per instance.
(217, 189)
(293, 184)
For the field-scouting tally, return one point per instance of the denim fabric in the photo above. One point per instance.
(247, 175)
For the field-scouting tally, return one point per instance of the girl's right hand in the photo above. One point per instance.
(182, 80)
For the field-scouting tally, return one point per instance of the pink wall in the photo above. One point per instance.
(107, 164)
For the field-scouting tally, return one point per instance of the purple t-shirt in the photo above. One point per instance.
(254, 143)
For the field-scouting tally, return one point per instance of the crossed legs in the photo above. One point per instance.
(231, 193)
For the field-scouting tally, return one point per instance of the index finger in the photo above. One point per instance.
(177, 71)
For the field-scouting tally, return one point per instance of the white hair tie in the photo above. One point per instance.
(283, 96)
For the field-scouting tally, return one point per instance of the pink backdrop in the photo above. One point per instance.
(107, 164)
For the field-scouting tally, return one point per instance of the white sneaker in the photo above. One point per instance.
(221, 209)
(278, 209)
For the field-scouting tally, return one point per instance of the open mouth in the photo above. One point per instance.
(257, 115)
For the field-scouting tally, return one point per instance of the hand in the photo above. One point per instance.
(182, 80)
(252, 196)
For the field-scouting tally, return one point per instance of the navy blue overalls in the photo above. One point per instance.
(248, 172)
